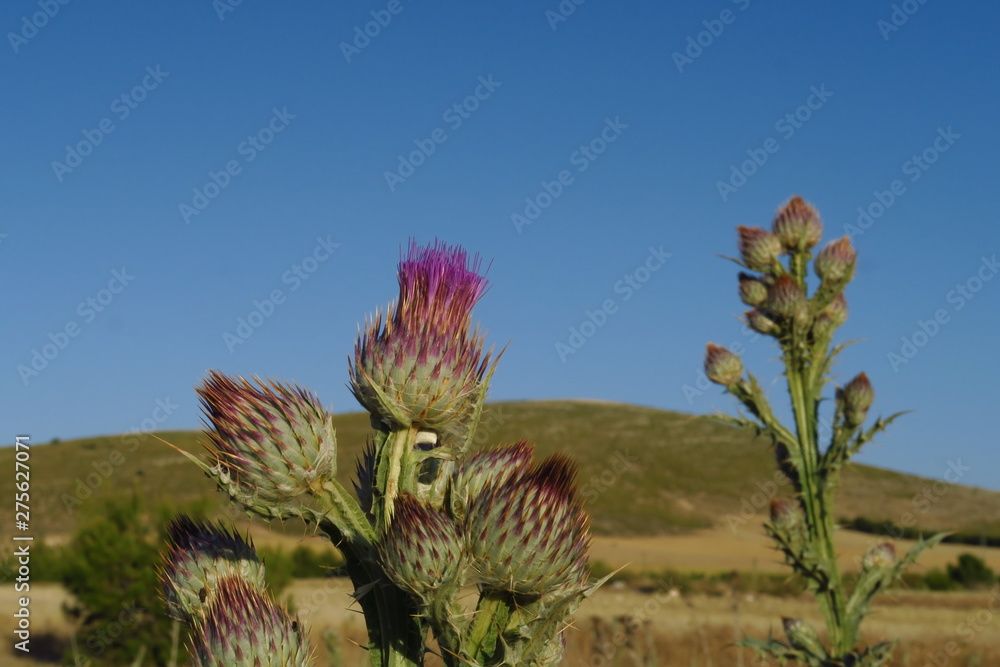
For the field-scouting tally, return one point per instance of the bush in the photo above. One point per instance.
(938, 580)
(110, 569)
(971, 572)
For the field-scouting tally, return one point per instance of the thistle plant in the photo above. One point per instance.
(775, 286)
(429, 519)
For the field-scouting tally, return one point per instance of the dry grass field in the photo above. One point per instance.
(681, 631)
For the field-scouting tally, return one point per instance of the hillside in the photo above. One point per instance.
(643, 472)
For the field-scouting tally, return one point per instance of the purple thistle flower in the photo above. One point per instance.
(423, 365)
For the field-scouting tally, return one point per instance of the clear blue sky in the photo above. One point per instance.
(117, 117)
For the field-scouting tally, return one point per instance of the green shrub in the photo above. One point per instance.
(971, 572)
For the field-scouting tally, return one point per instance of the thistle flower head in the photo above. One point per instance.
(761, 323)
(423, 366)
(857, 397)
(421, 549)
(753, 291)
(529, 534)
(198, 555)
(243, 626)
(722, 366)
(785, 513)
(803, 636)
(759, 248)
(879, 557)
(786, 299)
(269, 443)
(797, 225)
(835, 262)
(490, 466)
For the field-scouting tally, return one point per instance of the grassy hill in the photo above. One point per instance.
(643, 472)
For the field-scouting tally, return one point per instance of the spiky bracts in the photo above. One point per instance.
(422, 550)
(529, 534)
(423, 365)
(269, 443)
(244, 626)
(198, 555)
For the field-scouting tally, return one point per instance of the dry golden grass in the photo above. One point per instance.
(698, 630)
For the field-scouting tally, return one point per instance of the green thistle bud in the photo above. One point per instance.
(797, 225)
(837, 310)
(423, 366)
(786, 299)
(753, 291)
(759, 248)
(879, 557)
(722, 366)
(491, 466)
(270, 443)
(529, 535)
(835, 262)
(243, 626)
(785, 513)
(421, 549)
(803, 636)
(761, 323)
(856, 398)
(198, 555)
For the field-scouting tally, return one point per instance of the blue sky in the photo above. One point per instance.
(169, 168)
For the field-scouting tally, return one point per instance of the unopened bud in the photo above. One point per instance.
(786, 299)
(803, 636)
(753, 291)
(836, 260)
(856, 397)
(758, 247)
(879, 556)
(761, 323)
(722, 366)
(797, 225)
(785, 513)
